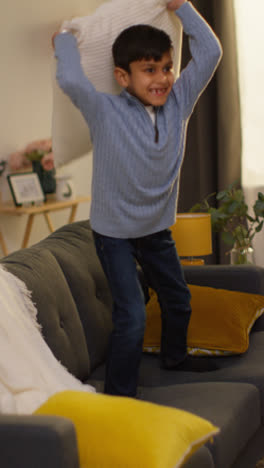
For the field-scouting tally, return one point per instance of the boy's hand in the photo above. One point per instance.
(53, 38)
(175, 4)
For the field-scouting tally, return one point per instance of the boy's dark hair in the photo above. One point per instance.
(140, 42)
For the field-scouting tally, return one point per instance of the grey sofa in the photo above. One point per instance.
(74, 308)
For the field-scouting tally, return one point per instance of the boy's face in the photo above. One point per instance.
(150, 81)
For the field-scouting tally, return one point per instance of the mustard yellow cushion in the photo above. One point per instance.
(120, 432)
(220, 323)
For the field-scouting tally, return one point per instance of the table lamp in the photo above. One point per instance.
(192, 233)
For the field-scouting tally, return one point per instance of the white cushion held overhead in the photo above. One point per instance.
(95, 36)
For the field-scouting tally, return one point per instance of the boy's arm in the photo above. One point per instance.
(71, 77)
(206, 53)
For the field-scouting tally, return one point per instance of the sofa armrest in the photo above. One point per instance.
(244, 278)
(37, 442)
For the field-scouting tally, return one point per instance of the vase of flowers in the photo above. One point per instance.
(232, 219)
(46, 176)
(242, 255)
(39, 156)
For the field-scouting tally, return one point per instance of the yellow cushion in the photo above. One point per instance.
(220, 323)
(120, 432)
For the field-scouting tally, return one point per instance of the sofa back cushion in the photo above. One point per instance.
(57, 312)
(73, 247)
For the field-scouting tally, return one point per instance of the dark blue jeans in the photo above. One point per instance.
(158, 258)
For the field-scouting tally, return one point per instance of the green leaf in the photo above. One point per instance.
(227, 238)
(233, 207)
(259, 227)
(239, 195)
(239, 235)
(219, 215)
(222, 195)
(259, 208)
(252, 220)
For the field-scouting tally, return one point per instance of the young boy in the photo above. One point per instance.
(139, 140)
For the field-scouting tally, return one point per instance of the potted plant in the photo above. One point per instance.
(232, 219)
(39, 156)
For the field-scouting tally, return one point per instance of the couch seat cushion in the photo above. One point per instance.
(233, 407)
(246, 368)
(202, 458)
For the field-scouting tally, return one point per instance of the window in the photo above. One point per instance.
(249, 19)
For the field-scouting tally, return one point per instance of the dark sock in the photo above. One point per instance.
(190, 364)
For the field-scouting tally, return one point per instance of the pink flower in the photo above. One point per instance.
(39, 145)
(18, 161)
(39, 150)
(47, 161)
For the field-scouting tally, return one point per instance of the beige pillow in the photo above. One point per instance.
(95, 35)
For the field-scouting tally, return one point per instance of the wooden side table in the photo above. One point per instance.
(45, 209)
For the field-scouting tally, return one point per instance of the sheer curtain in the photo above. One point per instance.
(249, 27)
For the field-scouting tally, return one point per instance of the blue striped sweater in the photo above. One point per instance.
(135, 179)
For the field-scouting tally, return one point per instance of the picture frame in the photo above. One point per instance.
(25, 188)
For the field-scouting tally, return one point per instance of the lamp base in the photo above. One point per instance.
(192, 261)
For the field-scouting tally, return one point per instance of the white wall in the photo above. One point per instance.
(251, 68)
(26, 95)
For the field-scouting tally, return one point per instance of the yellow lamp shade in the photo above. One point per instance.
(192, 233)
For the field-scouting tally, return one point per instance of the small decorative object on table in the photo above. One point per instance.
(39, 156)
(233, 221)
(25, 188)
(65, 187)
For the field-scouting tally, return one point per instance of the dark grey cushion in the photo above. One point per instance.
(57, 313)
(247, 368)
(247, 278)
(252, 452)
(202, 458)
(37, 442)
(233, 407)
(73, 247)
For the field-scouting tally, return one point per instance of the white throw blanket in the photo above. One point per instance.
(95, 35)
(29, 372)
